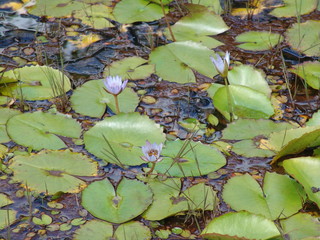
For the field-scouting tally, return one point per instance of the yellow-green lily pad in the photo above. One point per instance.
(132, 68)
(53, 171)
(35, 83)
(309, 71)
(258, 41)
(127, 201)
(40, 130)
(304, 37)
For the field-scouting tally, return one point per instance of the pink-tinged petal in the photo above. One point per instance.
(227, 58)
(144, 158)
(114, 85)
(218, 63)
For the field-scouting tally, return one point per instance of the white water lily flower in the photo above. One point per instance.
(114, 85)
(151, 152)
(222, 65)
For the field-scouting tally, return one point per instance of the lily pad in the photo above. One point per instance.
(35, 83)
(5, 115)
(251, 128)
(7, 216)
(59, 8)
(129, 11)
(95, 15)
(315, 120)
(130, 199)
(258, 41)
(181, 59)
(240, 225)
(53, 171)
(40, 130)
(294, 141)
(294, 8)
(94, 229)
(4, 200)
(92, 100)
(132, 230)
(301, 226)
(169, 201)
(306, 171)
(247, 75)
(280, 197)
(119, 139)
(196, 26)
(197, 159)
(309, 71)
(251, 148)
(132, 68)
(245, 102)
(304, 37)
(101, 230)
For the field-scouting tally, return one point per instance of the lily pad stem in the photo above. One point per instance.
(151, 170)
(117, 104)
(230, 105)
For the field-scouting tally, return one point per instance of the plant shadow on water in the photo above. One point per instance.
(237, 147)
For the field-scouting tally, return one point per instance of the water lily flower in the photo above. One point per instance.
(222, 65)
(151, 152)
(114, 85)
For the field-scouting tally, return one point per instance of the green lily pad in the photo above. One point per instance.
(7, 216)
(5, 115)
(212, 5)
(196, 26)
(258, 41)
(292, 8)
(251, 148)
(301, 226)
(240, 225)
(246, 102)
(129, 11)
(59, 8)
(164, 2)
(306, 171)
(315, 120)
(118, 139)
(4, 200)
(251, 128)
(280, 197)
(169, 201)
(304, 37)
(95, 15)
(132, 230)
(132, 68)
(94, 229)
(294, 141)
(130, 199)
(53, 171)
(44, 220)
(35, 83)
(196, 160)
(92, 100)
(181, 58)
(309, 71)
(40, 130)
(101, 230)
(247, 75)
